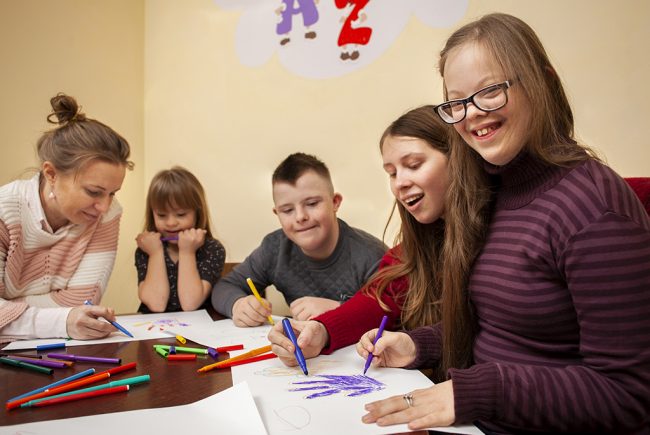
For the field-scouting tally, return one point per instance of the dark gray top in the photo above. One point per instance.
(280, 262)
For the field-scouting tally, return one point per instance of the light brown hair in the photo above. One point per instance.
(177, 188)
(78, 140)
(518, 51)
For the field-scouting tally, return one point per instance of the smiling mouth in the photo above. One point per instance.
(413, 200)
(486, 130)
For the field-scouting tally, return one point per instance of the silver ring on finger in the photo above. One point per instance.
(408, 398)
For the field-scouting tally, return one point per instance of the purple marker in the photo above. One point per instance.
(68, 357)
(377, 337)
(167, 239)
(213, 352)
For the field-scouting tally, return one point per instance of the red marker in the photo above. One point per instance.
(85, 395)
(249, 360)
(229, 348)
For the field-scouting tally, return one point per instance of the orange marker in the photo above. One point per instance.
(254, 352)
(249, 360)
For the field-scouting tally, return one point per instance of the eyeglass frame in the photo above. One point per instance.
(470, 99)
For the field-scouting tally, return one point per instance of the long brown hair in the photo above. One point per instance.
(420, 253)
(519, 52)
(177, 188)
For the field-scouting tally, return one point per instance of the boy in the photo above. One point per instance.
(316, 260)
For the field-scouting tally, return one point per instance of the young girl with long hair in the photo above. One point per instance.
(177, 259)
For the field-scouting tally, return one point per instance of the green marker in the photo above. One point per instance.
(163, 352)
(25, 365)
(182, 349)
(128, 381)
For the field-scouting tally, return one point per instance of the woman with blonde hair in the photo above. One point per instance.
(59, 230)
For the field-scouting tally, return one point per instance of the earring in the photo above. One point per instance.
(51, 195)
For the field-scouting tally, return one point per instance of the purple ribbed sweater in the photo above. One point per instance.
(561, 291)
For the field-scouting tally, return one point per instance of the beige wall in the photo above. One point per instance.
(92, 50)
(197, 106)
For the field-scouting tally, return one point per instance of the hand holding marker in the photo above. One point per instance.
(113, 322)
(259, 298)
(377, 337)
(288, 330)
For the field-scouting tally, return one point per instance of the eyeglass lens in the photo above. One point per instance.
(489, 99)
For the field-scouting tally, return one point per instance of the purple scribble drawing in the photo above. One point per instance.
(168, 323)
(357, 385)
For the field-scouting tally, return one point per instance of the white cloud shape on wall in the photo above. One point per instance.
(315, 51)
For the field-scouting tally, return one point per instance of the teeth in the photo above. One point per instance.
(484, 131)
(413, 199)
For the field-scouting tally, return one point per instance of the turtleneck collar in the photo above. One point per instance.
(524, 179)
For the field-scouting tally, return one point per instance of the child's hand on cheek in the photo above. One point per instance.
(149, 242)
(191, 239)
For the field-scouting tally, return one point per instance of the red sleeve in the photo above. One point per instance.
(361, 313)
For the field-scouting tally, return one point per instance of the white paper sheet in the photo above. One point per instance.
(142, 326)
(231, 411)
(225, 333)
(285, 411)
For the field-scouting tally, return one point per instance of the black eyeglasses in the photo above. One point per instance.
(488, 99)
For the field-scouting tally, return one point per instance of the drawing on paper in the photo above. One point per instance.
(355, 385)
(294, 417)
(161, 324)
(314, 369)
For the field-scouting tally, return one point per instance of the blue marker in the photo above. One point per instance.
(288, 330)
(377, 337)
(49, 346)
(113, 322)
(56, 384)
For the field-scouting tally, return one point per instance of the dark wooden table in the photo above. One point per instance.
(172, 383)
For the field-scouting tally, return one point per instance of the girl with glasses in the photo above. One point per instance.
(550, 332)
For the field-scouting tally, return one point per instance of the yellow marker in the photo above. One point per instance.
(259, 298)
(181, 339)
(251, 353)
